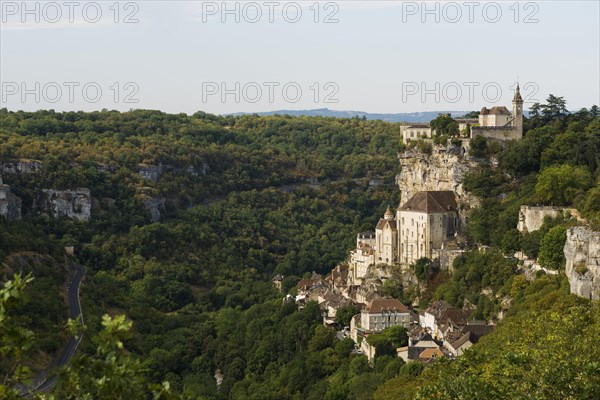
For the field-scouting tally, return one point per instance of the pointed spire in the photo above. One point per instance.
(517, 98)
(389, 214)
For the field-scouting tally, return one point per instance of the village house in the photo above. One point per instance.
(362, 257)
(458, 341)
(278, 281)
(337, 279)
(329, 302)
(421, 347)
(440, 318)
(307, 284)
(384, 313)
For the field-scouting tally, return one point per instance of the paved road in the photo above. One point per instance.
(41, 382)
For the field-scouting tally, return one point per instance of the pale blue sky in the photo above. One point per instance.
(375, 58)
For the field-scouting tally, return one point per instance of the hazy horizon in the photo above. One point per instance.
(376, 57)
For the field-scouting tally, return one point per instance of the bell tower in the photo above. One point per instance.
(517, 104)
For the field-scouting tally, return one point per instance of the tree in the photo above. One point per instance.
(555, 107)
(551, 248)
(445, 125)
(478, 147)
(109, 373)
(15, 340)
(534, 110)
(344, 314)
(393, 287)
(323, 338)
(425, 269)
(561, 184)
(511, 242)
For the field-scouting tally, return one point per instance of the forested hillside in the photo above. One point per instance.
(246, 198)
(249, 197)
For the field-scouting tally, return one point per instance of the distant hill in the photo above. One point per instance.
(424, 116)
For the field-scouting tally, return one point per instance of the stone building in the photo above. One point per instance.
(499, 124)
(363, 256)
(423, 131)
(415, 132)
(425, 223)
(386, 239)
(384, 313)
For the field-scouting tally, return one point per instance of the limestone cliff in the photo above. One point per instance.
(75, 204)
(152, 201)
(582, 253)
(150, 172)
(10, 204)
(531, 218)
(22, 166)
(443, 169)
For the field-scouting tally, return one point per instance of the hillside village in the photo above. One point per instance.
(428, 225)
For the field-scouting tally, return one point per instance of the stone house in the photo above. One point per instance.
(441, 318)
(362, 257)
(384, 313)
(458, 341)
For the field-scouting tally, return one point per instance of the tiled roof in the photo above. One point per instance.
(381, 305)
(462, 340)
(386, 222)
(497, 110)
(432, 202)
(431, 353)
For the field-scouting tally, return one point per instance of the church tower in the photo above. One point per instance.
(518, 113)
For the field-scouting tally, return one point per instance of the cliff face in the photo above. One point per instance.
(582, 253)
(150, 172)
(10, 204)
(75, 204)
(443, 169)
(152, 201)
(531, 218)
(22, 166)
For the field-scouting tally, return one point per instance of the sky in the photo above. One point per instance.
(234, 56)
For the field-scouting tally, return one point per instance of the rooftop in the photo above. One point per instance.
(431, 202)
(381, 305)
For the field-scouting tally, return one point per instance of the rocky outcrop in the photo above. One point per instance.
(10, 204)
(153, 203)
(443, 169)
(21, 166)
(582, 253)
(531, 218)
(150, 172)
(75, 204)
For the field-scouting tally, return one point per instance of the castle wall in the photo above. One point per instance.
(496, 133)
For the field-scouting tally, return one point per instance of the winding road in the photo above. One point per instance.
(41, 382)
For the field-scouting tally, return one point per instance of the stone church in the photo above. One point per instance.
(418, 229)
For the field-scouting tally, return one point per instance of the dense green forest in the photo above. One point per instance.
(249, 197)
